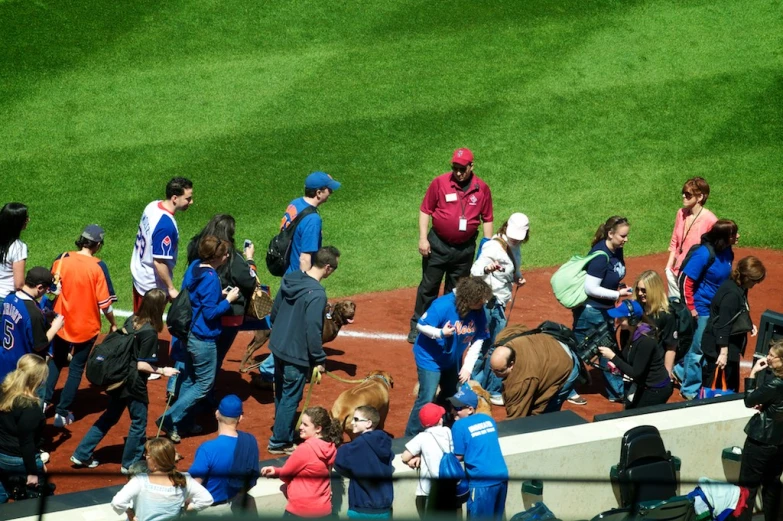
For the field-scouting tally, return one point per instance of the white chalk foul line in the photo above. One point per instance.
(346, 333)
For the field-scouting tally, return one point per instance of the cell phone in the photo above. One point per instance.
(248, 243)
(228, 289)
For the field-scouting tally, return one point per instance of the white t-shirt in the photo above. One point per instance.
(430, 444)
(16, 252)
(157, 238)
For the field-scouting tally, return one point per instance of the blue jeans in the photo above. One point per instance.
(428, 387)
(289, 388)
(137, 435)
(482, 372)
(688, 371)
(487, 502)
(171, 387)
(62, 348)
(556, 402)
(201, 367)
(14, 466)
(585, 319)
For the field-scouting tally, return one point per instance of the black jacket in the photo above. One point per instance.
(643, 359)
(366, 461)
(298, 320)
(235, 272)
(767, 425)
(729, 300)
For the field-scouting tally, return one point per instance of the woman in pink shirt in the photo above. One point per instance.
(692, 221)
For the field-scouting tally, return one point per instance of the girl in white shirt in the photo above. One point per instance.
(13, 252)
(163, 492)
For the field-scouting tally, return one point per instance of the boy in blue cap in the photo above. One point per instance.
(233, 453)
(476, 443)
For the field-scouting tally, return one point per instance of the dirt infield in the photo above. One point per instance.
(387, 312)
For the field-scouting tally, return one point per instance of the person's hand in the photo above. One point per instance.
(464, 374)
(624, 292)
(607, 353)
(494, 266)
(424, 248)
(754, 331)
(414, 462)
(268, 472)
(173, 293)
(321, 368)
(250, 251)
(170, 371)
(112, 328)
(521, 281)
(723, 357)
(233, 295)
(694, 313)
(447, 330)
(760, 366)
(32, 479)
(58, 322)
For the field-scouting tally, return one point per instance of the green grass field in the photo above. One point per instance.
(575, 111)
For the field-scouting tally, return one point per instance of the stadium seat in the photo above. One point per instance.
(678, 508)
(647, 471)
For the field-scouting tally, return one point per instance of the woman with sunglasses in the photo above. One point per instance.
(603, 288)
(641, 359)
(762, 455)
(209, 301)
(726, 335)
(649, 290)
(708, 267)
(692, 221)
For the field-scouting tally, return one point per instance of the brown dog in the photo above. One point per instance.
(484, 405)
(335, 317)
(374, 391)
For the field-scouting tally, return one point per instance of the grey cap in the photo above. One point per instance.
(94, 233)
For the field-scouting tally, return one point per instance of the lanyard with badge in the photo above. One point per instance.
(463, 221)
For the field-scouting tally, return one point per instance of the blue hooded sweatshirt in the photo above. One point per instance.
(366, 461)
(206, 300)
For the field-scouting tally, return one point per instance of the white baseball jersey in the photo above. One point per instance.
(157, 238)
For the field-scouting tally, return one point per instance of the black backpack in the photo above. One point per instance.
(110, 362)
(180, 316)
(684, 328)
(278, 254)
(687, 259)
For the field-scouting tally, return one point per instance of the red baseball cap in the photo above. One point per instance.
(462, 156)
(431, 414)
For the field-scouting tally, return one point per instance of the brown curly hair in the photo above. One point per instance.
(471, 291)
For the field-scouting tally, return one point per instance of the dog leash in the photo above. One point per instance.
(511, 306)
(344, 380)
(315, 378)
(163, 416)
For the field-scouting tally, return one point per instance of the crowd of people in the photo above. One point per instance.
(52, 319)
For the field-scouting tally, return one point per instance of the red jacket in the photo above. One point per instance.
(306, 477)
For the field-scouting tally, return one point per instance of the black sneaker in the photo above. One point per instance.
(285, 450)
(412, 334)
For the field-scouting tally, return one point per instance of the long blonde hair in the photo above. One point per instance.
(22, 383)
(657, 302)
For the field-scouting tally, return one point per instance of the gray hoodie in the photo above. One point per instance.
(298, 320)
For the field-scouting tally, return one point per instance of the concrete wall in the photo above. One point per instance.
(697, 435)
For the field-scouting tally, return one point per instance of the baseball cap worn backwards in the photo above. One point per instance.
(39, 275)
(462, 156)
(318, 180)
(230, 406)
(93, 232)
(464, 398)
(431, 414)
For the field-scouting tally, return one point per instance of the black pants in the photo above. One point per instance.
(762, 465)
(452, 261)
(651, 396)
(732, 372)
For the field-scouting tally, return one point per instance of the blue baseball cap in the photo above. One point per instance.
(627, 308)
(318, 180)
(465, 397)
(230, 406)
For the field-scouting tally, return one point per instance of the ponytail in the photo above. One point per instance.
(611, 224)
(177, 478)
(331, 430)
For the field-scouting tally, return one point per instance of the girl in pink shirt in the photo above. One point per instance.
(692, 221)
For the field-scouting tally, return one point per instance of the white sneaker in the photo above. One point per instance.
(44, 457)
(153, 376)
(496, 400)
(89, 464)
(62, 421)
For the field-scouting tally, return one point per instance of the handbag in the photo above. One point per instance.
(261, 302)
(712, 392)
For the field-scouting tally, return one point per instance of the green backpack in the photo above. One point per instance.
(568, 282)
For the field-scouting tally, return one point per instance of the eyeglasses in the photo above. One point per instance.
(460, 169)
(687, 195)
(357, 420)
(641, 291)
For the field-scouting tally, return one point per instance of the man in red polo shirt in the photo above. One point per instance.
(457, 202)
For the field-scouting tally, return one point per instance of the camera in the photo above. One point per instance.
(598, 336)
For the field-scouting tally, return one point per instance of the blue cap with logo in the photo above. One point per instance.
(318, 180)
(627, 308)
(230, 406)
(465, 397)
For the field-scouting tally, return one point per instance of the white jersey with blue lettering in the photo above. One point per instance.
(157, 238)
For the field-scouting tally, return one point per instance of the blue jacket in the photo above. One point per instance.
(366, 461)
(206, 300)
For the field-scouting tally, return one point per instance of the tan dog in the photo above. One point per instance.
(335, 317)
(484, 405)
(374, 391)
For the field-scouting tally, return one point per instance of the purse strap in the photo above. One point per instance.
(722, 374)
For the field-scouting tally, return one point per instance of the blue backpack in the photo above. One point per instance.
(450, 468)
